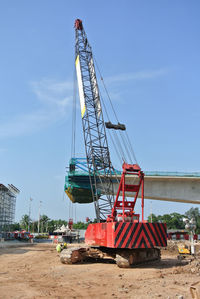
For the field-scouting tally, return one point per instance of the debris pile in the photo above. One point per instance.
(172, 246)
(194, 267)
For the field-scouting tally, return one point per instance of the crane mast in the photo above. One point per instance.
(96, 145)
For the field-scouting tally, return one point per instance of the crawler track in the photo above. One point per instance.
(124, 258)
(132, 257)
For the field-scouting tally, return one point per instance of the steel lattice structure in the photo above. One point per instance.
(7, 207)
(96, 144)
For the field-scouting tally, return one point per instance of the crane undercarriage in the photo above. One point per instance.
(126, 243)
(124, 258)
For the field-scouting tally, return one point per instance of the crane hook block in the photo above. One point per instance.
(78, 24)
(119, 126)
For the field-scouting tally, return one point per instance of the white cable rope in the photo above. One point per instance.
(74, 116)
(127, 144)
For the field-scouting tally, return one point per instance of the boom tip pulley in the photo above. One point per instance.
(78, 24)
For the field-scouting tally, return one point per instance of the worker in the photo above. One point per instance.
(64, 245)
(58, 248)
(61, 246)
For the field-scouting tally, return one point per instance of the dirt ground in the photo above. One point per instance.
(36, 272)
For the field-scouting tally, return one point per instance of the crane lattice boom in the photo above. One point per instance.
(96, 144)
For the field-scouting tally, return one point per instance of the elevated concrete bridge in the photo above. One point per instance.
(169, 186)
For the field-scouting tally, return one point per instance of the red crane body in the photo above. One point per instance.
(123, 229)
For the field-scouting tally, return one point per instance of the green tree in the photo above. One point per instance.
(34, 226)
(24, 222)
(153, 217)
(173, 220)
(15, 226)
(51, 226)
(177, 221)
(44, 219)
(80, 225)
(55, 224)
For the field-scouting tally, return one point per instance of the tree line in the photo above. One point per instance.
(175, 220)
(47, 225)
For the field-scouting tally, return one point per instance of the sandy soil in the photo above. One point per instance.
(36, 272)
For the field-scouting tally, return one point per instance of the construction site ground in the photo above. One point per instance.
(36, 272)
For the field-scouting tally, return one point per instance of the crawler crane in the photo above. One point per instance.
(118, 233)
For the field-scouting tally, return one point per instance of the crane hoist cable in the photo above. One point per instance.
(73, 143)
(117, 144)
(126, 147)
(133, 153)
(115, 147)
(127, 144)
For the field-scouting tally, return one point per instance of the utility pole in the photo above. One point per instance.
(29, 214)
(75, 212)
(39, 217)
(151, 211)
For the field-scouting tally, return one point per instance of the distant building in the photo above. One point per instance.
(7, 205)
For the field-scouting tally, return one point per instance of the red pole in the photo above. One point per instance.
(123, 193)
(118, 192)
(142, 198)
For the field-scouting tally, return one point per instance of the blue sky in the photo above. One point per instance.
(148, 52)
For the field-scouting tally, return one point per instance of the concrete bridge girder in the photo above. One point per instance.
(168, 188)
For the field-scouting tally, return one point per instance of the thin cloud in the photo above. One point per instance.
(24, 124)
(141, 75)
(54, 98)
(52, 92)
